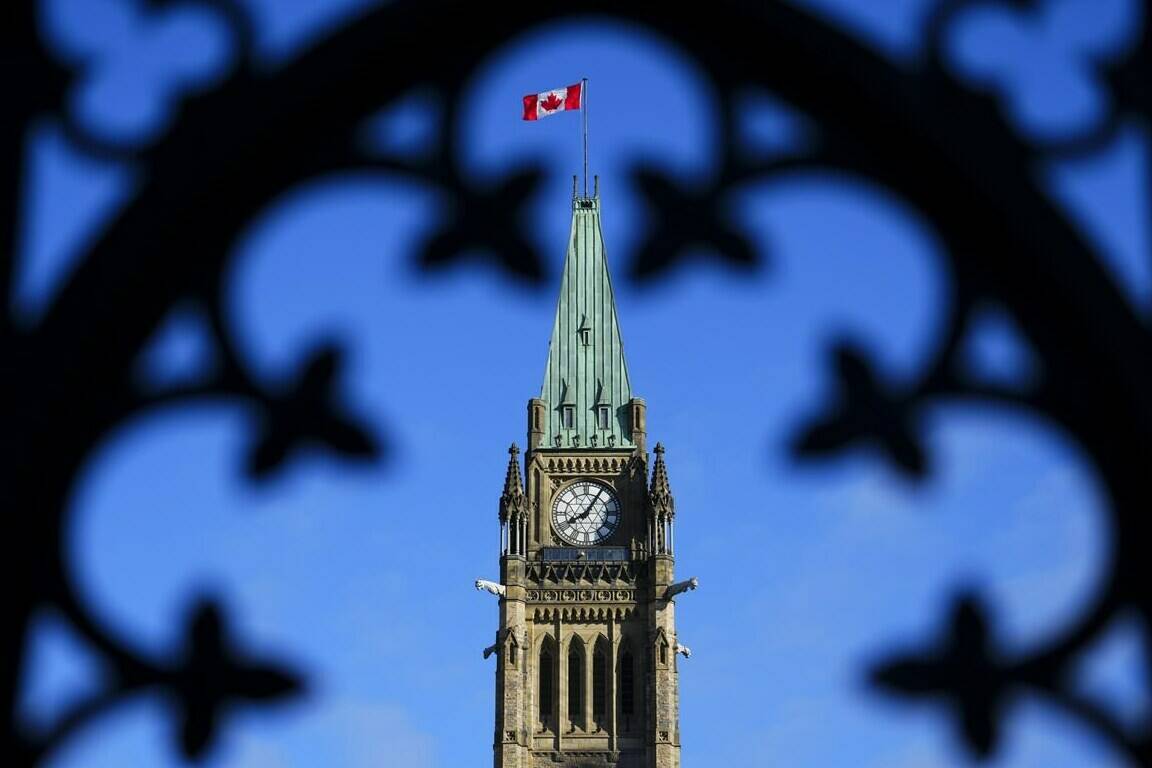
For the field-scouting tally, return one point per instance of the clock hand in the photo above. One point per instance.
(588, 510)
(579, 515)
(592, 503)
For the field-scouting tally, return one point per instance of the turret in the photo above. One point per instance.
(661, 507)
(513, 508)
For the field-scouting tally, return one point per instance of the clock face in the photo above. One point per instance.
(586, 512)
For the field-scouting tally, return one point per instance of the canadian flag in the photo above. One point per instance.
(538, 105)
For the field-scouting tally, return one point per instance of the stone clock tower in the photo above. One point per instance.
(586, 670)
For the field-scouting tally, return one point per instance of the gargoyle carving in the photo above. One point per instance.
(499, 639)
(683, 650)
(492, 587)
(681, 586)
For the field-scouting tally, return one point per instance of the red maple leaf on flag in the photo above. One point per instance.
(552, 102)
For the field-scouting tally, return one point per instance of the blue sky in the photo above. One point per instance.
(807, 572)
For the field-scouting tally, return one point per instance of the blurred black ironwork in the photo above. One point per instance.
(912, 127)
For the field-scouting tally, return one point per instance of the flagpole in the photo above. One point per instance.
(584, 115)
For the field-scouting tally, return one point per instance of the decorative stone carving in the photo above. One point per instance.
(490, 587)
(582, 615)
(587, 466)
(582, 573)
(585, 595)
(681, 586)
(683, 650)
(500, 636)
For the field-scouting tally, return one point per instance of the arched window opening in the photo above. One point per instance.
(600, 686)
(547, 675)
(575, 685)
(627, 688)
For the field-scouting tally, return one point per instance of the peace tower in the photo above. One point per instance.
(586, 670)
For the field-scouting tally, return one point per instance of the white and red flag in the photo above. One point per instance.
(538, 105)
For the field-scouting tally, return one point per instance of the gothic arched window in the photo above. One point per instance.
(575, 684)
(627, 684)
(599, 683)
(547, 674)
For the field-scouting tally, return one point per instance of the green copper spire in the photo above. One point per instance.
(586, 392)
